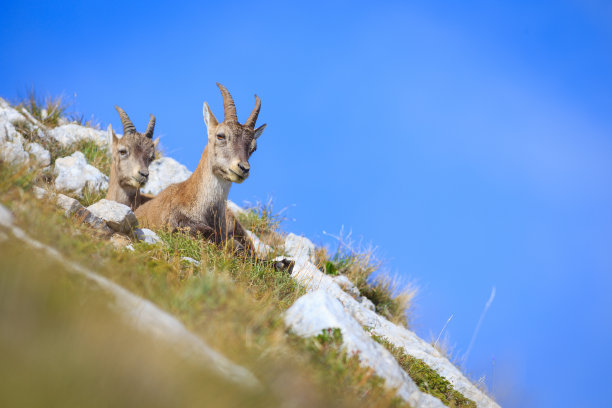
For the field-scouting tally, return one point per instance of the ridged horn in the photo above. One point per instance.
(128, 126)
(150, 127)
(250, 122)
(229, 109)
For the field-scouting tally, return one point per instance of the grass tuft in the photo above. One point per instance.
(48, 110)
(391, 300)
(427, 379)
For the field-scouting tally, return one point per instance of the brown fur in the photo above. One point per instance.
(198, 204)
(132, 155)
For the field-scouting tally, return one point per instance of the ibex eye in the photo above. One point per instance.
(123, 152)
(220, 136)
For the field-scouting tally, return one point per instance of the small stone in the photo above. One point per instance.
(190, 260)
(39, 192)
(118, 216)
(68, 204)
(147, 236)
(282, 263)
(74, 174)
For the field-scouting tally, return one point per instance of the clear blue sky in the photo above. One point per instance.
(470, 141)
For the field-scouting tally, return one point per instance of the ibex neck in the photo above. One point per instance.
(212, 190)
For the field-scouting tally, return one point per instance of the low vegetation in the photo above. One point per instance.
(390, 301)
(427, 379)
(234, 303)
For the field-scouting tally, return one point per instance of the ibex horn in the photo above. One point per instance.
(229, 108)
(150, 127)
(128, 126)
(250, 122)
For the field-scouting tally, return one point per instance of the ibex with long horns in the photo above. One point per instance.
(198, 204)
(132, 155)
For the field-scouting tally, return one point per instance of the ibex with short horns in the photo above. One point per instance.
(198, 204)
(132, 155)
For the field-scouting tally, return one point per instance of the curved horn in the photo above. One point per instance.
(229, 108)
(250, 122)
(128, 126)
(150, 127)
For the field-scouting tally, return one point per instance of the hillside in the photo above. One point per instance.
(96, 311)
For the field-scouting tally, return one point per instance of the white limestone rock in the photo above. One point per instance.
(73, 174)
(262, 249)
(235, 208)
(190, 260)
(146, 235)
(11, 144)
(347, 285)
(9, 114)
(72, 133)
(6, 217)
(118, 216)
(299, 247)
(42, 157)
(318, 310)
(162, 173)
(68, 204)
(307, 274)
(72, 207)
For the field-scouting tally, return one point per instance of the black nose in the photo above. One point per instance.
(144, 173)
(244, 167)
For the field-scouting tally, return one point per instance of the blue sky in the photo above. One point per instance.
(471, 142)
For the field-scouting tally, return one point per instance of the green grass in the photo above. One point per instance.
(235, 303)
(427, 379)
(263, 221)
(325, 352)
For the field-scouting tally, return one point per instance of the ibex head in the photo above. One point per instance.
(133, 153)
(230, 143)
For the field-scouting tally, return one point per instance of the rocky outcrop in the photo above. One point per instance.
(72, 133)
(299, 247)
(318, 310)
(307, 274)
(41, 155)
(162, 173)
(73, 174)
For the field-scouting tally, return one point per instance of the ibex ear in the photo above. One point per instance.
(111, 136)
(209, 118)
(259, 130)
(156, 142)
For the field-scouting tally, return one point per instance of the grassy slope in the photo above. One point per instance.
(235, 304)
